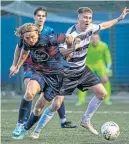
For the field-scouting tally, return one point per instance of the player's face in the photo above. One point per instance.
(95, 39)
(31, 38)
(84, 20)
(40, 18)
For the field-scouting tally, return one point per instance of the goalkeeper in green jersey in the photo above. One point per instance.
(100, 62)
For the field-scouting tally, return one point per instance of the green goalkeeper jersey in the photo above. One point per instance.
(97, 53)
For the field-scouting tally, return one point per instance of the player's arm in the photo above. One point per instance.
(22, 58)
(24, 54)
(69, 46)
(66, 48)
(109, 24)
(16, 55)
(66, 52)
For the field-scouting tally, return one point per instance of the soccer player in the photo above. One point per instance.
(40, 15)
(47, 68)
(79, 75)
(100, 62)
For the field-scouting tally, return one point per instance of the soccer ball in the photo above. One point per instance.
(110, 130)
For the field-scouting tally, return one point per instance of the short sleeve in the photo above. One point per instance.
(95, 28)
(26, 48)
(64, 45)
(20, 43)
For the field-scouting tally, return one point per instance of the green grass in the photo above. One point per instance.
(53, 134)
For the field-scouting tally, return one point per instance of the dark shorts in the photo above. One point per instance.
(78, 79)
(28, 73)
(50, 84)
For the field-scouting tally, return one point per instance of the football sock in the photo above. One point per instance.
(25, 107)
(92, 107)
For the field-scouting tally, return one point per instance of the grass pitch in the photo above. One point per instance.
(53, 134)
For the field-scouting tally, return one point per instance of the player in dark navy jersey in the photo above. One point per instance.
(40, 18)
(47, 66)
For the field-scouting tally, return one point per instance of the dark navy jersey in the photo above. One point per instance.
(46, 30)
(45, 54)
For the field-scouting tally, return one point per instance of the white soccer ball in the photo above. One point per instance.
(110, 130)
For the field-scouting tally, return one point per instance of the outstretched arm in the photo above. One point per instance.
(109, 24)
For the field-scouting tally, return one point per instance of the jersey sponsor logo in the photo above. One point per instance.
(39, 55)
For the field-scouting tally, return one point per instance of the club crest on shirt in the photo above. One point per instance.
(77, 40)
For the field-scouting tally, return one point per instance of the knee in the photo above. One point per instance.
(37, 111)
(102, 95)
(31, 90)
(105, 79)
(56, 106)
(29, 95)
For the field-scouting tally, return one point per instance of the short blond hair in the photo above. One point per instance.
(84, 9)
(27, 27)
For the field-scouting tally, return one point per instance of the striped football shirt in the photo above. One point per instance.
(78, 58)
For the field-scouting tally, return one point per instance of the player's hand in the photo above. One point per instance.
(69, 40)
(124, 13)
(12, 68)
(77, 41)
(13, 71)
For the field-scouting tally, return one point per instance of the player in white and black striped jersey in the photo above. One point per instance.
(78, 57)
(77, 75)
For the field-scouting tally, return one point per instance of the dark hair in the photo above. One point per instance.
(84, 9)
(40, 9)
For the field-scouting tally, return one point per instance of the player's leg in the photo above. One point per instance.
(61, 113)
(47, 115)
(82, 94)
(93, 83)
(26, 80)
(102, 73)
(28, 73)
(33, 87)
(35, 115)
(63, 119)
(93, 105)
